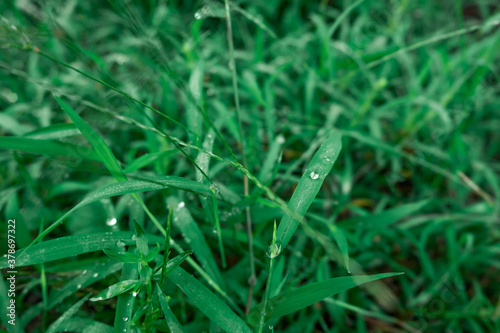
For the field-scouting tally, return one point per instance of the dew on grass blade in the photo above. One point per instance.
(314, 175)
(210, 10)
(111, 222)
(274, 250)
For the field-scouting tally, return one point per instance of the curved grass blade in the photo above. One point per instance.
(69, 246)
(116, 289)
(186, 224)
(84, 325)
(309, 185)
(53, 132)
(174, 263)
(207, 302)
(55, 327)
(130, 186)
(148, 159)
(381, 220)
(48, 147)
(95, 140)
(85, 279)
(172, 322)
(302, 297)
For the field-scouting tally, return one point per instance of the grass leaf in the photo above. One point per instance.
(116, 289)
(66, 316)
(302, 297)
(309, 185)
(70, 246)
(209, 304)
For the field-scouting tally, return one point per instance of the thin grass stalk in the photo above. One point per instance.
(232, 67)
(274, 251)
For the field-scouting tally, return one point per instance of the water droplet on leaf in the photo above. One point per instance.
(314, 175)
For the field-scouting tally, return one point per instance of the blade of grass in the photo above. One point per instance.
(84, 325)
(309, 185)
(126, 187)
(47, 147)
(186, 224)
(273, 253)
(70, 246)
(209, 304)
(232, 67)
(172, 322)
(86, 278)
(66, 316)
(302, 297)
(126, 302)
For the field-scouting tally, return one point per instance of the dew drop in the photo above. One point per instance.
(125, 318)
(84, 271)
(134, 294)
(280, 139)
(197, 15)
(274, 250)
(214, 188)
(134, 237)
(79, 286)
(95, 275)
(314, 175)
(120, 244)
(111, 222)
(181, 204)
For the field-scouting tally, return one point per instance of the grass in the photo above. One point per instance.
(229, 166)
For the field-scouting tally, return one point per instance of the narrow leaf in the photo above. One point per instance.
(302, 297)
(172, 322)
(67, 315)
(207, 302)
(309, 185)
(116, 289)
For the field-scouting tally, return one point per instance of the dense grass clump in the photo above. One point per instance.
(251, 166)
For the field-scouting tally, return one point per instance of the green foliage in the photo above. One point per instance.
(220, 166)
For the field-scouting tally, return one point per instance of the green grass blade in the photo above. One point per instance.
(86, 278)
(381, 220)
(207, 302)
(47, 147)
(116, 289)
(148, 159)
(309, 185)
(126, 302)
(53, 132)
(172, 322)
(84, 325)
(131, 187)
(69, 246)
(99, 145)
(66, 316)
(341, 241)
(302, 297)
(186, 224)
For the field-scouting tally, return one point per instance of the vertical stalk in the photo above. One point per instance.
(232, 67)
(274, 251)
